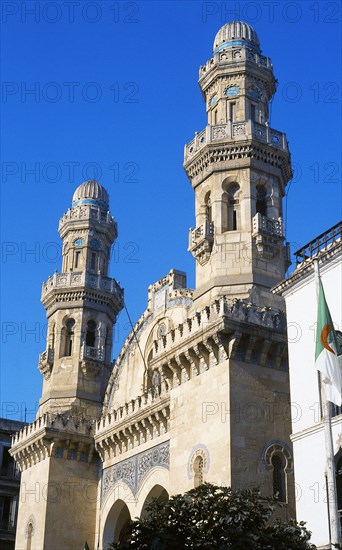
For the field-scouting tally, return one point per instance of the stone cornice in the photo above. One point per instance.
(62, 435)
(211, 155)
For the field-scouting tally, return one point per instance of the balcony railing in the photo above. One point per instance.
(319, 243)
(205, 231)
(82, 278)
(86, 212)
(47, 357)
(234, 56)
(94, 354)
(236, 131)
(262, 224)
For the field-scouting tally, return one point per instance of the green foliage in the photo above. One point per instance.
(212, 517)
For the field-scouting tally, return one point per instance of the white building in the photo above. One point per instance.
(307, 437)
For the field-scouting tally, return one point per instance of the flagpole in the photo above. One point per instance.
(335, 529)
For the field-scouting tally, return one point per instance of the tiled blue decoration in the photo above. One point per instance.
(78, 242)
(213, 100)
(132, 471)
(95, 202)
(232, 91)
(237, 43)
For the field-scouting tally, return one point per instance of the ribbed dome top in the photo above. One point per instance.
(236, 33)
(91, 192)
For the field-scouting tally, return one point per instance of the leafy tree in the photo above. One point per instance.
(212, 517)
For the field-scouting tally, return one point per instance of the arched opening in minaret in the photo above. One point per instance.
(157, 492)
(69, 337)
(90, 334)
(278, 462)
(117, 522)
(231, 111)
(232, 206)
(198, 471)
(261, 200)
(208, 208)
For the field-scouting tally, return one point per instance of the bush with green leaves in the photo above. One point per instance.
(212, 517)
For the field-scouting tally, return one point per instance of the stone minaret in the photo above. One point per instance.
(238, 167)
(56, 452)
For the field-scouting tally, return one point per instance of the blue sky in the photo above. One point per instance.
(109, 90)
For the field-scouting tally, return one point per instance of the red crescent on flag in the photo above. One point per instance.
(324, 338)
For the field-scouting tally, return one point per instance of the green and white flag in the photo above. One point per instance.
(86, 547)
(327, 361)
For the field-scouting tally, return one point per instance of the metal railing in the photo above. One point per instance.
(319, 243)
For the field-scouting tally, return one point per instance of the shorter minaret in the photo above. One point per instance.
(81, 306)
(56, 453)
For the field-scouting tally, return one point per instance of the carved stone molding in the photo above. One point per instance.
(133, 471)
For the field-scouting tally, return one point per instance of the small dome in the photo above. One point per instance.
(236, 33)
(91, 192)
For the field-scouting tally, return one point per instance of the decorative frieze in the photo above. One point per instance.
(132, 471)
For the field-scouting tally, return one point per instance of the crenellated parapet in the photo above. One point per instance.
(64, 436)
(129, 426)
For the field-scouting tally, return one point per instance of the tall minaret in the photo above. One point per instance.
(238, 167)
(58, 494)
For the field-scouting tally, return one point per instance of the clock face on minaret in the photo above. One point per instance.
(231, 164)
(81, 304)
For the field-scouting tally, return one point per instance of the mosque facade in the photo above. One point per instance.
(200, 389)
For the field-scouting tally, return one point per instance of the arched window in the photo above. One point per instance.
(90, 334)
(279, 483)
(233, 207)
(69, 337)
(261, 200)
(199, 471)
(208, 208)
(29, 536)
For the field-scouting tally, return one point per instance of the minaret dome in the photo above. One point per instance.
(91, 192)
(236, 33)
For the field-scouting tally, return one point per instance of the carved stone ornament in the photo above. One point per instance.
(89, 368)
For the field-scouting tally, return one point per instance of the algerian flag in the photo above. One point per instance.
(86, 547)
(327, 361)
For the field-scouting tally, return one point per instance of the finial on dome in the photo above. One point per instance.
(91, 192)
(236, 33)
